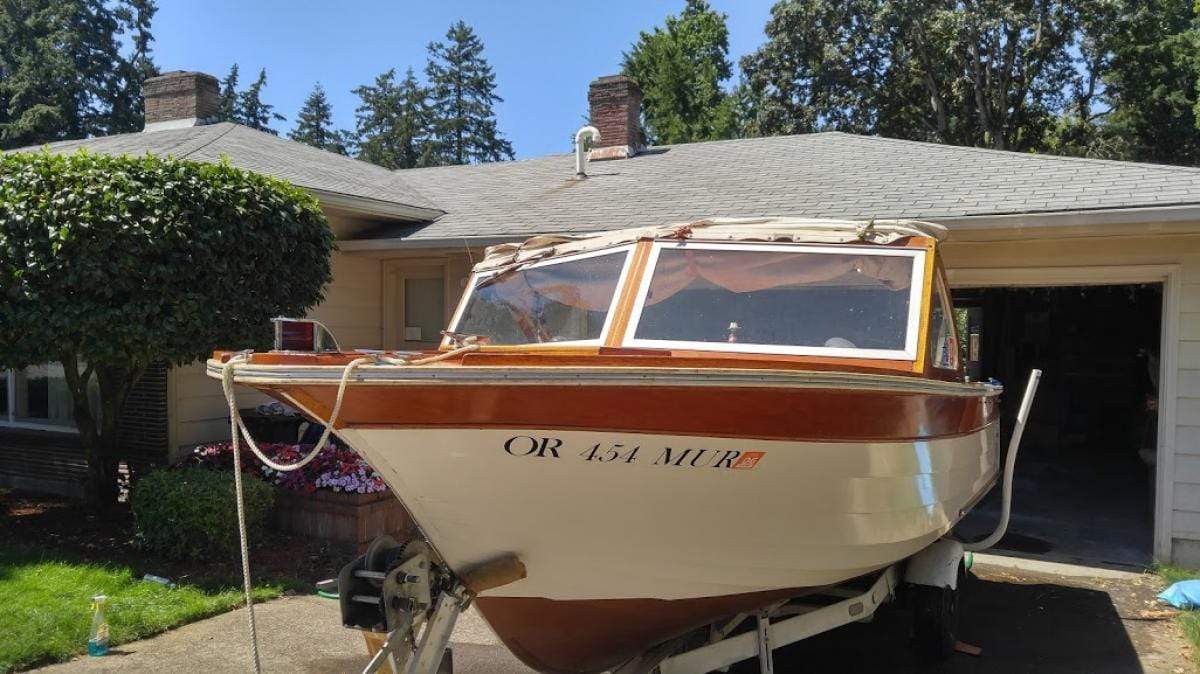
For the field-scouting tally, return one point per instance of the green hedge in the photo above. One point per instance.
(192, 512)
(121, 260)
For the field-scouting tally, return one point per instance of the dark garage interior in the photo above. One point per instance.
(1083, 490)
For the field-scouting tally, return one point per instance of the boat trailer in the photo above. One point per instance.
(398, 589)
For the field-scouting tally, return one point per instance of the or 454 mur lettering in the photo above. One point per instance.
(615, 452)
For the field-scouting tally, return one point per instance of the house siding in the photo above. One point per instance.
(352, 309)
(48, 462)
(145, 429)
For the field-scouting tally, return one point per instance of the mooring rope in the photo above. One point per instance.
(238, 430)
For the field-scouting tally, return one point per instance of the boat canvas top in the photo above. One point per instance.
(766, 230)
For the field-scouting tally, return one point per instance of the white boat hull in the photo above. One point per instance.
(593, 519)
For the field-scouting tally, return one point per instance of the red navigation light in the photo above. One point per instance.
(296, 336)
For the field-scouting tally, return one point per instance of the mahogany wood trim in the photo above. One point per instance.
(633, 282)
(815, 415)
(919, 364)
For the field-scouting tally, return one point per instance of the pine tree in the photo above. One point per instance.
(394, 123)
(127, 113)
(463, 91)
(253, 111)
(229, 96)
(64, 72)
(314, 124)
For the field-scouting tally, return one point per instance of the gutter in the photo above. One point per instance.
(1189, 212)
(375, 207)
(1176, 219)
(364, 245)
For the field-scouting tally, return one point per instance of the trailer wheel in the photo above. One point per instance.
(935, 618)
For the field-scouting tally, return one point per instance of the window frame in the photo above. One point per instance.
(916, 303)
(8, 416)
(609, 318)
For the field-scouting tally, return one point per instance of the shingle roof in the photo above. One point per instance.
(246, 148)
(817, 175)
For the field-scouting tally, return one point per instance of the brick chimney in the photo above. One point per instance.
(180, 99)
(616, 109)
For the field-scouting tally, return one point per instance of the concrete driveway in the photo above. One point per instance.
(1026, 616)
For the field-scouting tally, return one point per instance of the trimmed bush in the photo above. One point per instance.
(111, 264)
(192, 512)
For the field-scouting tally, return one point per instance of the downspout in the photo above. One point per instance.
(580, 158)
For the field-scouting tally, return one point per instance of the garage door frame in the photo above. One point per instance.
(1169, 275)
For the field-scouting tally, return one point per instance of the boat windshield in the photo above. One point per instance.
(762, 298)
(566, 300)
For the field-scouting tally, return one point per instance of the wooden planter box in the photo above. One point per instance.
(348, 518)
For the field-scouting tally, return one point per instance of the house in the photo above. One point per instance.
(1088, 269)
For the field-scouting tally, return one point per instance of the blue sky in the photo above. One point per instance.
(544, 52)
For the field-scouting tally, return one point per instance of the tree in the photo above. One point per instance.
(115, 263)
(127, 112)
(229, 96)
(314, 124)
(988, 73)
(1151, 79)
(680, 69)
(817, 70)
(462, 93)
(255, 113)
(246, 106)
(395, 123)
(63, 73)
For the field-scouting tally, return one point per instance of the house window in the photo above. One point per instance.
(37, 397)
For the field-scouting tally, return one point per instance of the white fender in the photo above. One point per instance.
(936, 565)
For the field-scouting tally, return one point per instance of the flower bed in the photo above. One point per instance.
(336, 496)
(337, 469)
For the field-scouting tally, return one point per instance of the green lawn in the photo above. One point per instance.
(45, 602)
(1188, 620)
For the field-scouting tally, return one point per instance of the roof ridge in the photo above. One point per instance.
(754, 139)
(1025, 155)
(210, 141)
(391, 177)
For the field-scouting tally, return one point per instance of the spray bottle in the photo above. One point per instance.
(98, 638)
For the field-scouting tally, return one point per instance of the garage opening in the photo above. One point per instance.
(1084, 487)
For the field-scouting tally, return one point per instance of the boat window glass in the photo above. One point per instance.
(943, 349)
(568, 300)
(843, 301)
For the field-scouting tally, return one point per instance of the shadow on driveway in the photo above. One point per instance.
(1023, 624)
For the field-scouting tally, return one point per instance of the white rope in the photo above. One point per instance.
(227, 385)
(234, 419)
(238, 430)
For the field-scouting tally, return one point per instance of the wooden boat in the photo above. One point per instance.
(675, 424)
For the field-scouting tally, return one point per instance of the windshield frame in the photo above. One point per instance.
(916, 303)
(622, 280)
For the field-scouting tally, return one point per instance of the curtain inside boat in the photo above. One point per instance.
(743, 271)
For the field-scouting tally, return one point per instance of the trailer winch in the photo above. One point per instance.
(405, 591)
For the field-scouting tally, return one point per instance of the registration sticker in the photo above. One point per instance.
(748, 460)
